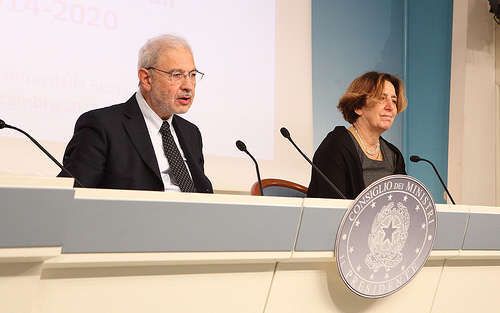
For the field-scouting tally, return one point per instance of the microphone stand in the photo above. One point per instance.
(4, 125)
(242, 147)
(285, 133)
(416, 158)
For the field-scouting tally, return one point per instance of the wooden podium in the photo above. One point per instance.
(87, 250)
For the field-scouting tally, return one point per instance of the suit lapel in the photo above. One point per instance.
(136, 128)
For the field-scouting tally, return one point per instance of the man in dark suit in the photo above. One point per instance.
(143, 144)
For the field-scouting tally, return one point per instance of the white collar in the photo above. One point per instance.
(149, 114)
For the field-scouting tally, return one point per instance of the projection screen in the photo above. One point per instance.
(62, 58)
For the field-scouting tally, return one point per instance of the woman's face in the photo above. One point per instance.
(378, 117)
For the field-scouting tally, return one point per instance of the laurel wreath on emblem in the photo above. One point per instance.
(387, 237)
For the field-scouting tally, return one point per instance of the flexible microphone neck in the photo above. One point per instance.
(285, 133)
(416, 158)
(242, 147)
(4, 125)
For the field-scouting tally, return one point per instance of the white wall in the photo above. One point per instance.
(472, 159)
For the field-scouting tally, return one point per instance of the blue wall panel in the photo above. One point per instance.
(428, 85)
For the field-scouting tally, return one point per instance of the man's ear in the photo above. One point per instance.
(144, 78)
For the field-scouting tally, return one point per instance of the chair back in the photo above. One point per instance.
(279, 188)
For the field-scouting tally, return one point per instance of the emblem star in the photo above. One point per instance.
(373, 204)
(357, 223)
(389, 197)
(358, 268)
(417, 208)
(388, 231)
(423, 225)
(417, 250)
(429, 237)
(405, 198)
(351, 249)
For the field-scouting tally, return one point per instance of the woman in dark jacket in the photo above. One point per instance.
(355, 157)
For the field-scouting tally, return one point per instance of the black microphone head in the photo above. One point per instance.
(415, 158)
(2, 124)
(285, 133)
(241, 145)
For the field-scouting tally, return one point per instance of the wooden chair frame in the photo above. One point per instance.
(255, 191)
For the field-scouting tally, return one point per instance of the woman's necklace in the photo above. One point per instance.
(365, 147)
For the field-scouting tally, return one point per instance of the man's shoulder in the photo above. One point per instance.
(105, 111)
(182, 122)
(109, 112)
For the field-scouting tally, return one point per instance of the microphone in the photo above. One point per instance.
(242, 147)
(4, 125)
(285, 133)
(416, 158)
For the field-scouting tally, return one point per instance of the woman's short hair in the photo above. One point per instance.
(367, 89)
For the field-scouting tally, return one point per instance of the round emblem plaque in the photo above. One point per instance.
(386, 236)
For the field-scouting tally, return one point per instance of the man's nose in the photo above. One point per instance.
(187, 84)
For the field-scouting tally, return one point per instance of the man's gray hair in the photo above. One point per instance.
(149, 53)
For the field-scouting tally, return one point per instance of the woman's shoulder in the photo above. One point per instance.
(338, 141)
(338, 135)
(400, 161)
(391, 146)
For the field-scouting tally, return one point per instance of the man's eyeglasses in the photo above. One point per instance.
(177, 76)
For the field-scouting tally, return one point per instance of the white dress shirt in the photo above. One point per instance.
(153, 123)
